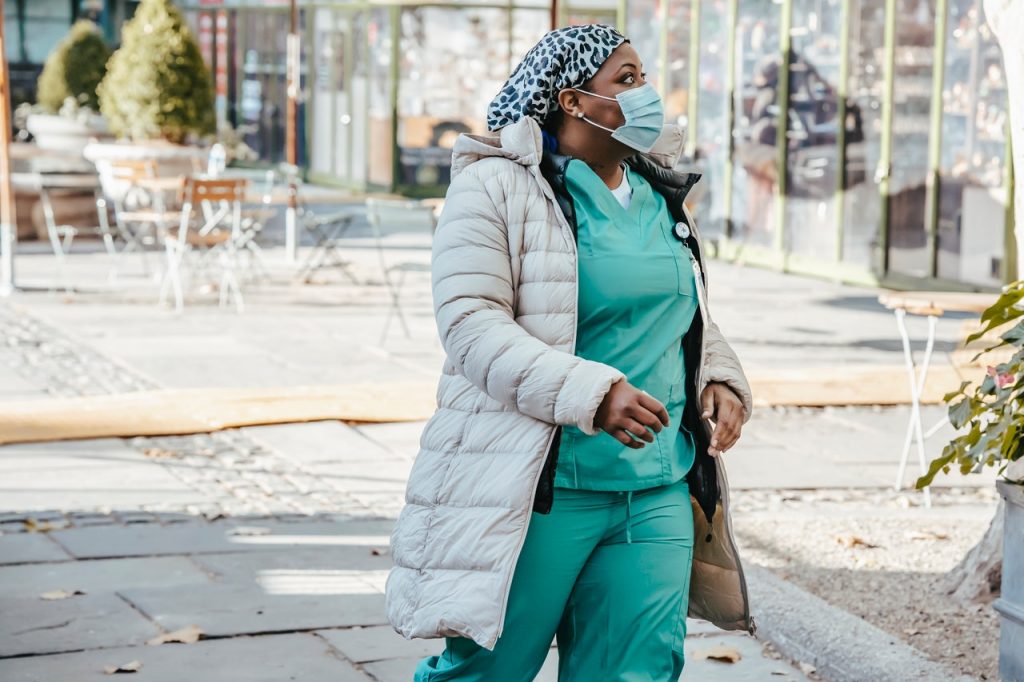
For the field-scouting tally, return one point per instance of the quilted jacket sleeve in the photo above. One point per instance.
(721, 364)
(473, 292)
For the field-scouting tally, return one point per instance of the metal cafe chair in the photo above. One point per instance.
(407, 217)
(140, 210)
(210, 224)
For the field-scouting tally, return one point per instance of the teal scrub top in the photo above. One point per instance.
(637, 298)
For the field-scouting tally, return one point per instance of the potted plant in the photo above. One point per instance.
(65, 116)
(157, 95)
(991, 418)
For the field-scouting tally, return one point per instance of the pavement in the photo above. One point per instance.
(272, 540)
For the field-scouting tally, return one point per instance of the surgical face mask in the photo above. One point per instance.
(641, 107)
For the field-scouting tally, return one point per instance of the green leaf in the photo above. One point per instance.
(937, 464)
(960, 413)
(1015, 335)
(952, 394)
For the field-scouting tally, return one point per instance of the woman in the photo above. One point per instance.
(552, 492)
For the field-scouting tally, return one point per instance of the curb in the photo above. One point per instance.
(841, 646)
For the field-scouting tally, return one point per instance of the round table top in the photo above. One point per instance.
(937, 302)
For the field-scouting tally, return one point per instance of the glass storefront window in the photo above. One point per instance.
(972, 199)
(379, 35)
(908, 234)
(328, 78)
(862, 207)
(813, 129)
(436, 102)
(756, 103)
(46, 22)
(712, 135)
(677, 61)
(643, 28)
(260, 67)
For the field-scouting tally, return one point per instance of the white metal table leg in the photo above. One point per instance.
(917, 382)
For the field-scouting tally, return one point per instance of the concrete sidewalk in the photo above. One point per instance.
(272, 539)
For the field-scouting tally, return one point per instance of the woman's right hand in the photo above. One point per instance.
(627, 410)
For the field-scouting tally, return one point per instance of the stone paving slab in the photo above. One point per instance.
(401, 438)
(102, 575)
(24, 548)
(248, 566)
(274, 658)
(37, 626)
(147, 540)
(319, 442)
(282, 604)
(367, 644)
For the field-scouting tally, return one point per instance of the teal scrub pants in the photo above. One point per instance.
(607, 574)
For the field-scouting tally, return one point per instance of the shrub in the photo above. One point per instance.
(74, 68)
(993, 411)
(157, 85)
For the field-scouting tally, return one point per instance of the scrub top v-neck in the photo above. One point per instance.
(637, 298)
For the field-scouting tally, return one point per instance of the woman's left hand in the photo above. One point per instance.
(724, 408)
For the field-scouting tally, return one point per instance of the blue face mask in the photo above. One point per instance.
(641, 107)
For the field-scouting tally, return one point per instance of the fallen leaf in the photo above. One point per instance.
(33, 526)
(852, 541)
(59, 594)
(807, 668)
(129, 667)
(726, 654)
(926, 535)
(377, 551)
(911, 631)
(159, 453)
(190, 634)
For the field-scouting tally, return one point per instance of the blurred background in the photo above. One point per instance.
(218, 348)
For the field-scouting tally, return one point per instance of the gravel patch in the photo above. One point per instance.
(881, 556)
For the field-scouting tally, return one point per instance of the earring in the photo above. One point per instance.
(579, 114)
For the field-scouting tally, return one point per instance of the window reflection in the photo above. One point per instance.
(813, 127)
(972, 200)
(712, 134)
(908, 237)
(436, 103)
(755, 169)
(862, 212)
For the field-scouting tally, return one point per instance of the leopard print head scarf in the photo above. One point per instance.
(564, 58)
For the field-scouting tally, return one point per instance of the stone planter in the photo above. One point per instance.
(63, 133)
(1011, 604)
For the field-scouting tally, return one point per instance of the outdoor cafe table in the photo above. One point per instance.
(932, 304)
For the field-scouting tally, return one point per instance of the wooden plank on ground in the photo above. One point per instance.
(851, 385)
(183, 411)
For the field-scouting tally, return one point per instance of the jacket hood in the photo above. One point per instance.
(521, 142)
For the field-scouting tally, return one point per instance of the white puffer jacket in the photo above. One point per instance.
(504, 287)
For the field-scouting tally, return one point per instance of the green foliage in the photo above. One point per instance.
(157, 85)
(74, 68)
(993, 413)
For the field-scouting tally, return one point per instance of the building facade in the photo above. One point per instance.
(860, 139)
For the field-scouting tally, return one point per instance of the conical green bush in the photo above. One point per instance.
(74, 68)
(157, 84)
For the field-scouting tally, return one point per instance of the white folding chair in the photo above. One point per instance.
(406, 217)
(211, 223)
